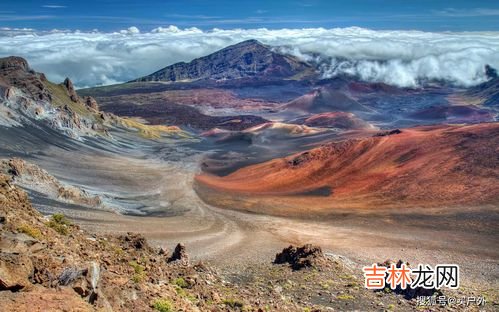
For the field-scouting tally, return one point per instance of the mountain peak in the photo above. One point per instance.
(249, 42)
(247, 59)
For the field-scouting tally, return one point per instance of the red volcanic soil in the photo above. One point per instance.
(424, 167)
(341, 120)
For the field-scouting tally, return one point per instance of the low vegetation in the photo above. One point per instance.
(233, 303)
(59, 223)
(163, 305)
(150, 131)
(30, 230)
(139, 273)
(180, 282)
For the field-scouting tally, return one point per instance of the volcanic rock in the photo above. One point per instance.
(490, 72)
(385, 133)
(14, 63)
(70, 89)
(179, 254)
(91, 103)
(408, 293)
(134, 241)
(301, 257)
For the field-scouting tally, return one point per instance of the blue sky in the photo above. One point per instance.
(113, 15)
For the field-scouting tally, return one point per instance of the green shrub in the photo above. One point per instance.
(345, 297)
(139, 273)
(29, 230)
(180, 282)
(163, 305)
(59, 223)
(233, 303)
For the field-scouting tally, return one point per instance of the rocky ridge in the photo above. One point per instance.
(32, 177)
(248, 59)
(28, 98)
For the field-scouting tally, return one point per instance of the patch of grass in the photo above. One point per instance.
(150, 131)
(233, 303)
(163, 305)
(391, 307)
(139, 274)
(118, 250)
(345, 297)
(59, 223)
(60, 98)
(180, 282)
(30, 230)
(184, 294)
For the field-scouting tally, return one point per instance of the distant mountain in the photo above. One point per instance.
(247, 59)
(488, 92)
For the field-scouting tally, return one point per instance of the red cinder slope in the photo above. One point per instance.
(423, 166)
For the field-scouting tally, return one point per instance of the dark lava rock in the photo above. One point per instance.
(301, 257)
(91, 103)
(179, 254)
(490, 72)
(69, 275)
(71, 90)
(134, 241)
(408, 293)
(386, 133)
(300, 159)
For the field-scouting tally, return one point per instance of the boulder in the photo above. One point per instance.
(90, 102)
(179, 254)
(15, 270)
(70, 89)
(134, 241)
(301, 257)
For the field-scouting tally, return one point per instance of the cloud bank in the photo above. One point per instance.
(402, 58)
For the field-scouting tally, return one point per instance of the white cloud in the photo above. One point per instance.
(451, 12)
(130, 31)
(53, 6)
(401, 58)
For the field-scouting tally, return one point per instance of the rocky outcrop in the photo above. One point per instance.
(387, 133)
(71, 90)
(490, 72)
(14, 63)
(27, 96)
(31, 176)
(301, 257)
(15, 72)
(248, 59)
(179, 254)
(91, 103)
(134, 241)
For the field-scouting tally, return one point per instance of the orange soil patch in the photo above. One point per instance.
(422, 166)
